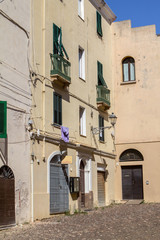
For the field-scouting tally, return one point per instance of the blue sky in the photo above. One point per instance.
(140, 12)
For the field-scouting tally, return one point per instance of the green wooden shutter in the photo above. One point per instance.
(55, 108)
(58, 47)
(57, 115)
(101, 124)
(100, 74)
(60, 110)
(3, 119)
(99, 24)
(56, 33)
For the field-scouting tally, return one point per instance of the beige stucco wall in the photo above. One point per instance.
(75, 32)
(137, 104)
(15, 89)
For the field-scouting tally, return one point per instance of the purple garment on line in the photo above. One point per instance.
(65, 134)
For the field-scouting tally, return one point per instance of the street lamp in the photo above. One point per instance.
(113, 120)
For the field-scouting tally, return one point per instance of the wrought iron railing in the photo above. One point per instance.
(103, 95)
(60, 66)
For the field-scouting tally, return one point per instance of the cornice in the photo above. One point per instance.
(104, 9)
(77, 146)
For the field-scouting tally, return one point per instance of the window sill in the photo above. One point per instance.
(56, 125)
(82, 79)
(83, 135)
(81, 18)
(101, 141)
(129, 82)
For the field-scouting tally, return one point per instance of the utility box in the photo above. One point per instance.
(74, 184)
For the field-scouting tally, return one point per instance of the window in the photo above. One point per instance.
(101, 80)
(58, 47)
(3, 119)
(82, 117)
(101, 126)
(99, 24)
(128, 69)
(81, 63)
(81, 8)
(131, 155)
(57, 103)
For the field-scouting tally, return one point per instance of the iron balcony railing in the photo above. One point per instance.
(103, 95)
(60, 66)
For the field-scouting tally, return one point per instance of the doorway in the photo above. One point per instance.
(7, 197)
(59, 191)
(82, 184)
(132, 182)
(101, 188)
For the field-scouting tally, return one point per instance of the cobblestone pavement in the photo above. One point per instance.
(116, 222)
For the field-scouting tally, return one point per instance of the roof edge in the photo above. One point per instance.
(104, 9)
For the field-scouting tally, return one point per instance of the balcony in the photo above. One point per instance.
(60, 70)
(103, 98)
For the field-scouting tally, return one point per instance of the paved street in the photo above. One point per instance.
(116, 222)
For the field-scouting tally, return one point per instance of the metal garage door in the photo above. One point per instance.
(132, 182)
(7, 197)
(59, 192)
(101, 188)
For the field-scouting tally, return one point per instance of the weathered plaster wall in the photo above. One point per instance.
(15, 89)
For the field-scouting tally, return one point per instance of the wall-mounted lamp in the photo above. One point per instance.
(30, 125)
(113, 120)
(32, 156)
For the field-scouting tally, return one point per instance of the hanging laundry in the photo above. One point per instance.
(65, 134)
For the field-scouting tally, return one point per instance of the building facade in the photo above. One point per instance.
(136, 78)
(72, 95)
(65, 67)
(15, 105)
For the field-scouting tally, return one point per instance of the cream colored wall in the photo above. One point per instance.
(75, 33)
(137, 104)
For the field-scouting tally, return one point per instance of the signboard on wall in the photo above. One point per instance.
(67, 160)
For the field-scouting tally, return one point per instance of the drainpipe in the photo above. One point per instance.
(32, 207)
(43, 66)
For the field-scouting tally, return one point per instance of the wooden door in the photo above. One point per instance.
(7, 197)
(101, 188)
(132, 182)
(82, 184)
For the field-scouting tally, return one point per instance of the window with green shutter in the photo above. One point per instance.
(58, 47)
(57, 111)
(101, 80)
(3, 119)
(101, 127)
(99, 24)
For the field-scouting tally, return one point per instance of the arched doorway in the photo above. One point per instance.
(82, 184)
(132, 175)
(7, 196)
(59, 191)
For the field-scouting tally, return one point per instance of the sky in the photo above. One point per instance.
(140, 12)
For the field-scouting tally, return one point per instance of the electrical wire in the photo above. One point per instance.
(15, 91)
(7, 82)
(6, 95)
(11, 20)
(14, 69)
(19, 142)
(15, 108)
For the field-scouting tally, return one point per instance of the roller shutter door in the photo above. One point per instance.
(59, 191)
(101, 188)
